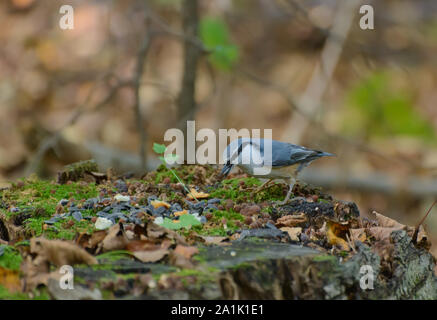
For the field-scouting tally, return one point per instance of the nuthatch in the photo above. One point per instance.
(265, 158)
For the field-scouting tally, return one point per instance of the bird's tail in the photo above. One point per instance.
(326, 154)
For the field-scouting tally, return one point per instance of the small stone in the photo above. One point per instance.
(159, 220)
(121, 186)
(166, 180)
(248, 220)
(208, 216)
(102, 223)
(214, 201)
(93, 219)
(121, 198)
(77, 215)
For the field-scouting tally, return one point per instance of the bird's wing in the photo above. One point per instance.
(287, 154)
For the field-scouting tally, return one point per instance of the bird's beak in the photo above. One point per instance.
(226, 169)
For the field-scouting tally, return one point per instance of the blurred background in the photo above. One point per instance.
(131, 69)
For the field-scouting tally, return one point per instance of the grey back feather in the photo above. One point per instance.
(283, 153)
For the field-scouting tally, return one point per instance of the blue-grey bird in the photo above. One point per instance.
(269, 159)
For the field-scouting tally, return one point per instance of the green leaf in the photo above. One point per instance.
(215, 36)
(159, 148)
(185, 221)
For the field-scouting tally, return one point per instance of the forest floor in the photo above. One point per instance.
(148, 238)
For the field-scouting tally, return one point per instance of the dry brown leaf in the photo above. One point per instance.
(147, 245)
(158, 203)
(115, 239)
(60, 252)
(336, 234)
(198, 195)
(294, 233)
(387, 222)
(154, 231)
(150, 255)
(186, 251)
(380, 233)
(358, 234)
(215, 240)
(384, 249)
(291, 221)
(180, 213)
(10, 279)
(97, 237)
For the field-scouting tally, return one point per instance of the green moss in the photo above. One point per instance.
(40, 194)
(11, 258)
(215, 226)
(325, 258)
(115, 255)
(231, 189)
(201, 276)
(5, 294)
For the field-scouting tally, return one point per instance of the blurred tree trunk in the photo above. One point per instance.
(186, 100)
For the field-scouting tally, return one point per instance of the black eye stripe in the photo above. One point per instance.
(240, 148)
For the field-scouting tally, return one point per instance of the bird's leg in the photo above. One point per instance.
(291, 183)
(263, 186)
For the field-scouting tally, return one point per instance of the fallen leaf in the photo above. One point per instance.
(358, 234)
(294, 233)
(10, 279)
(423, 239)
(291, 221)
(380, 233)
(198, 195)
(387, 222)
(115, 239)
(214, 240)
(186, 251)
(336, 234)
(147, 245)
(151, 256)
(179, 213)
(60, 252)
(158, 203)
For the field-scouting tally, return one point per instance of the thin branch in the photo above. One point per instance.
(142, 55)
(310, 101)
(416, 230)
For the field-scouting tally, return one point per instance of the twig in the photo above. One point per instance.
(186, 100)
(416, 230)
(322, 75)
(142, 55)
